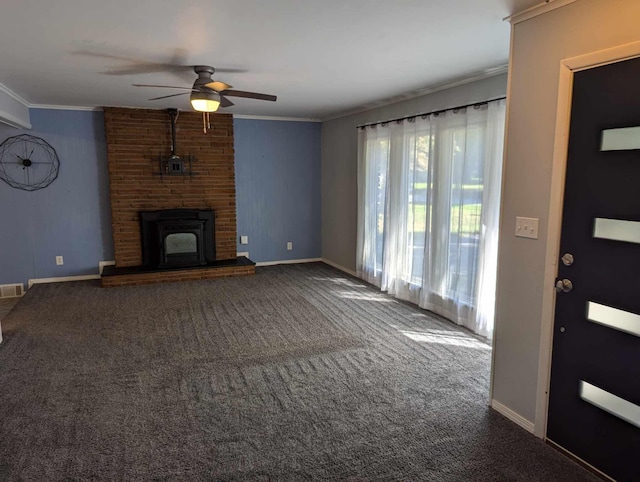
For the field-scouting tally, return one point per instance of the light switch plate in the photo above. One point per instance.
(244, 239)
(527, 227)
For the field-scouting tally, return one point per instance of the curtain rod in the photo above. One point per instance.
(435, 112)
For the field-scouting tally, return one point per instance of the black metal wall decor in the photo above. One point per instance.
(28, 162)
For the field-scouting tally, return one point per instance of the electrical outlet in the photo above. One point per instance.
(244, 239)
(527, 227)
(59, 260)
(289, 246)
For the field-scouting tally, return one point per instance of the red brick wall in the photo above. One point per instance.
(135, 139)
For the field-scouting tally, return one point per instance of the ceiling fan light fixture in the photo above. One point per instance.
(205, 101)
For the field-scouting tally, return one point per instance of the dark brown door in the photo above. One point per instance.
(594, 399)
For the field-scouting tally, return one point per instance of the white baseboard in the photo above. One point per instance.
(513, 416)
(62, 279)
(288, 261)
(337, 266)
(102, 264)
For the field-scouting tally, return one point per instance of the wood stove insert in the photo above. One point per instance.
(177, 238)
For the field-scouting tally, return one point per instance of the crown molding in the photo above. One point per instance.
(10, 119)
(64, 107)
(486, 74)
(237, 116)
(536, 10)
(13, 121)
(276, 118)
(13, 95)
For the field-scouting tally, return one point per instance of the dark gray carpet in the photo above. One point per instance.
(297, 373)
(6, 305)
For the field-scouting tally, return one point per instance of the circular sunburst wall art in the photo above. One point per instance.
(28, 162)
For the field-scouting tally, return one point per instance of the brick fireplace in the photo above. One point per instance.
(136, 138)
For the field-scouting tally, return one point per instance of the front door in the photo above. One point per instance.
(594, 398)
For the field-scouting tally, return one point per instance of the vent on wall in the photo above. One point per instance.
(11, 291)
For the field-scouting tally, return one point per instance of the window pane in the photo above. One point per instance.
(379, 149)
(466, 210)
(179, 243)
(418, 197)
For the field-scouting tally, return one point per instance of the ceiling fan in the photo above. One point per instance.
(206, 94)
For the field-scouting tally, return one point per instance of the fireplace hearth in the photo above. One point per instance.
(177, 238)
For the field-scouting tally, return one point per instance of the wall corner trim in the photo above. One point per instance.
(536, 10)
(337, 266)
(513, 416)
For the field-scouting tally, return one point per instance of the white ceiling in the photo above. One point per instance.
(320, 58)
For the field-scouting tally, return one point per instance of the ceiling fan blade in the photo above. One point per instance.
(177, 63)
(250, 95)
(140, 69)
(218, 86)
(230, 71)
(172, 95)
(224, 102)
(155, 68)
(137, 64)
(162, 86)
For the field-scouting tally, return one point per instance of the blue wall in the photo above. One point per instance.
(71, 217)
(277, 182)
(278, 188)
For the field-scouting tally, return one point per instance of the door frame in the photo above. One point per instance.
(568, 67)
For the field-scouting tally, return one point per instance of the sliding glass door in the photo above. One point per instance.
(429, 191)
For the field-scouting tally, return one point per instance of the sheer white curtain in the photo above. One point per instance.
(429, 198)
(373, 164)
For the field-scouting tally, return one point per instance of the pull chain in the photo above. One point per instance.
(206, 121)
